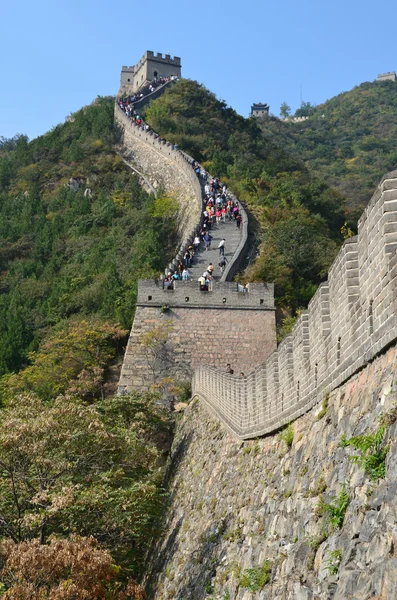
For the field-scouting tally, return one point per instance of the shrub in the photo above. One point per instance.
(333, 562)
(324, 407)
(336, 509)
(373, 452)
(256, 578)
(287, 435)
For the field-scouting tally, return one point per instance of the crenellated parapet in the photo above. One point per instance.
(165, 167)
(152, 66)
(351, 319)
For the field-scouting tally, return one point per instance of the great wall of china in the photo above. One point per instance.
(350, 320)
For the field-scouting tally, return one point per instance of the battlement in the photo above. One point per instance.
(350, 320)
(151, 66)
(260, 110)
(158, 58)
(389, 76)
(222, 295)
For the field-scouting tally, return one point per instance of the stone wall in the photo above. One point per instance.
(164, 167)
(351, 318)
(175, 331)
(235, 504)
(199, 336)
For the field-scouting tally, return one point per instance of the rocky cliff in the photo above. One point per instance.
(288, 516)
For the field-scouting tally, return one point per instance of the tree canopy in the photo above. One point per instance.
(77, 232)
(348, 141)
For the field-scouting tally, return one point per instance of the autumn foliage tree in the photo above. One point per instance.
(73, 569)
(72, 360)
(66, 468)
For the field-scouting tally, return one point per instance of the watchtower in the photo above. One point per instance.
(150, 66)
(390, 76)
(260, 110)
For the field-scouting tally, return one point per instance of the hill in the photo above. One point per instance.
(348, 141)
(296, 217)
(76, 230)
(81, 478)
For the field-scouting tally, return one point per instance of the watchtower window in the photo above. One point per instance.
(128, 80)
(155, 73)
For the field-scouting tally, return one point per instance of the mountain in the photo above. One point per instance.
(348, 141)
(295, 216)
(76, 231)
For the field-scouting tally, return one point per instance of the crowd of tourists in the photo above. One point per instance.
(218, 207)
(148, 88)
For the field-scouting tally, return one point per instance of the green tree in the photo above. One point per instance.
(285, 110)
(306, 109)
(71, 468)
(73, 360)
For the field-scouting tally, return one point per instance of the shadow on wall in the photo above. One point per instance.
(159, 557)
(202, 564)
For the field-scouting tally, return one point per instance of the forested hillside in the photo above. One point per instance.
(296, 217)
(81, 475)
(65, 252)
(349, 141)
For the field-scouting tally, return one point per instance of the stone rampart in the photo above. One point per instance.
(234, 505)
(166, 168)
(140, 104)
(237, 260)
(177, 330)
(351, 318)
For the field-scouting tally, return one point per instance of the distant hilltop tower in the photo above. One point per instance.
(260, 110)
(387, 76)
(151, 66)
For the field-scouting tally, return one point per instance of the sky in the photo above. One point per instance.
(56, 57)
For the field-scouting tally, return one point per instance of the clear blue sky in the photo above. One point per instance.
(55, 57)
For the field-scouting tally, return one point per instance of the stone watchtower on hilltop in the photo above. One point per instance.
(260, 110)
(151, 66)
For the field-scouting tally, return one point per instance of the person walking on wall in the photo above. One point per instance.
(221, 247)
(222, 263)
(207, 240)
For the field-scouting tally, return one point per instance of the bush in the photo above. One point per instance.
(373, 452)
(256, 578)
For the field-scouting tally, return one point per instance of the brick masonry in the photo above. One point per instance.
(203, 328)
(169, 169)
(350, 320)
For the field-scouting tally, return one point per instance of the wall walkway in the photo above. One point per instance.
(196, 336)
(350, 320)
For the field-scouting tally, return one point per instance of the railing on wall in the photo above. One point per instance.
(350, 320)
